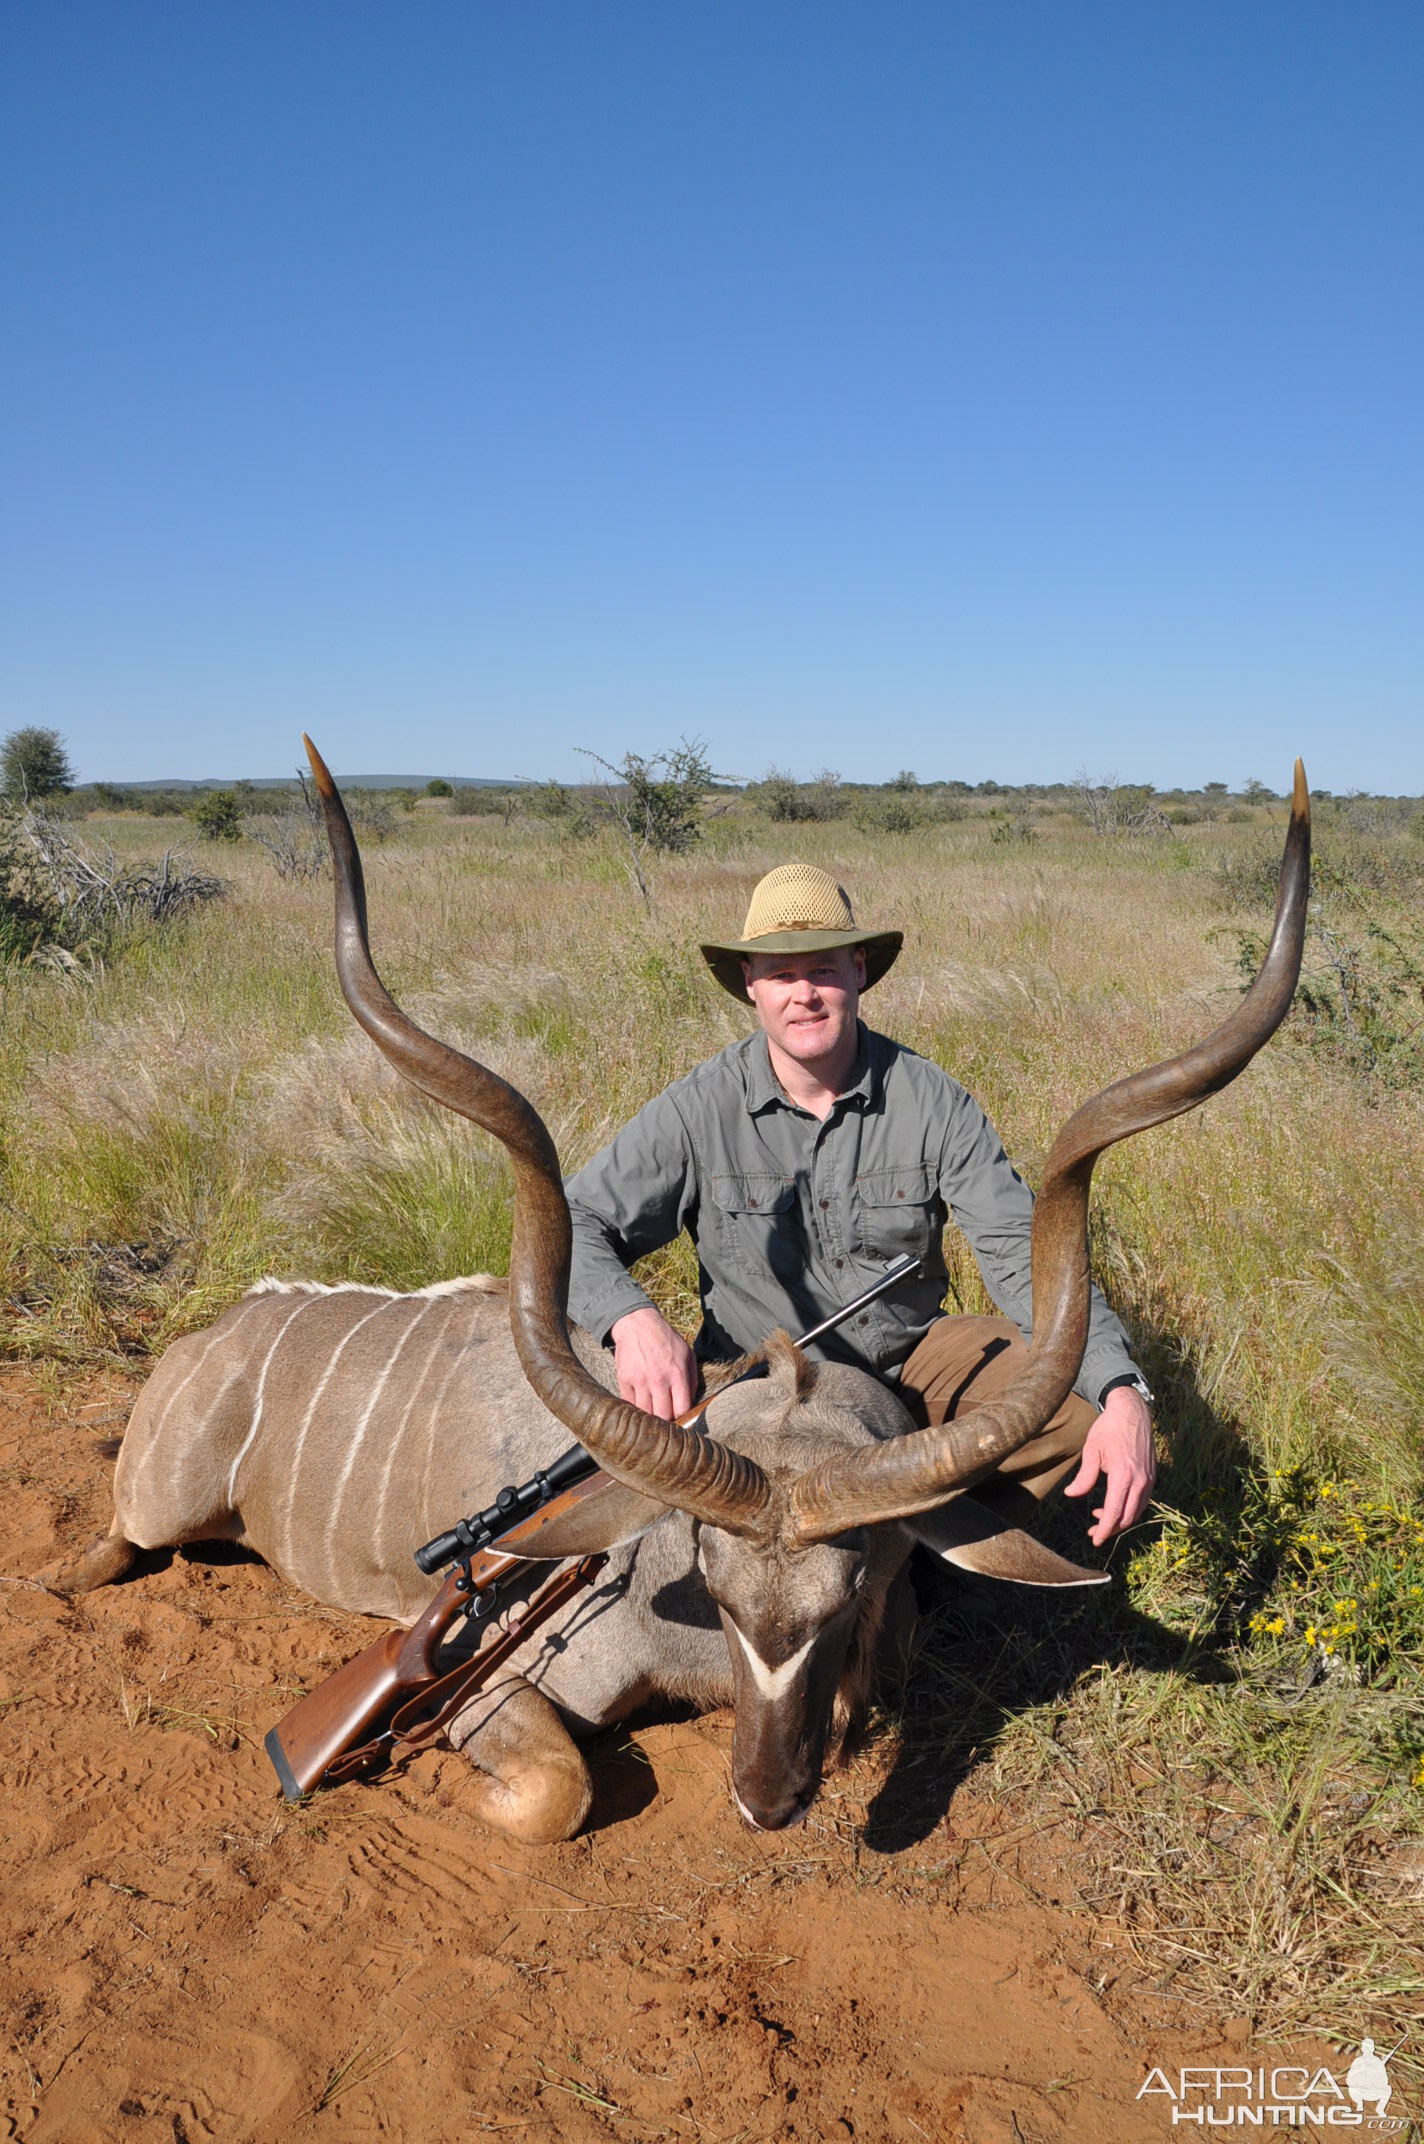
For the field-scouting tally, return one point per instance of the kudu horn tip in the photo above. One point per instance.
(1300, 800)
(321, 773)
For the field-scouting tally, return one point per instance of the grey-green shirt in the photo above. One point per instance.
(792, 1217)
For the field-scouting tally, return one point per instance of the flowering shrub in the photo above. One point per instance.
(1291, 1566)
(1352, 1582)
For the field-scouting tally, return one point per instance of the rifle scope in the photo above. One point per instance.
(468, 1536)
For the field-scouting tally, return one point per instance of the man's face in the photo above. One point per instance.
(807, 1001)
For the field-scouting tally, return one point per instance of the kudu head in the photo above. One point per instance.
(795, 1483)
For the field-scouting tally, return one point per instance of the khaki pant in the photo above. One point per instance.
(961, 1363)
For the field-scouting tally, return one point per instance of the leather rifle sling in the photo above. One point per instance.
(414, 1727)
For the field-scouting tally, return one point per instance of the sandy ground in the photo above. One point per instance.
(182, 1957)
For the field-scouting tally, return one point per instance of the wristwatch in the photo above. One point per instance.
(1135, 1379)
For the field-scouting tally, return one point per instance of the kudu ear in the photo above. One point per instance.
(969, 1536)
(604, 1518)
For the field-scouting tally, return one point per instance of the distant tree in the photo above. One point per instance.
(295, 836)
(1017, 826)
(782, 797)
(219, 816)
(905, 779)
(656, 803)
(34, 763)
(1257, 793)
(1113, 807)
(824, 795)
(439, 787)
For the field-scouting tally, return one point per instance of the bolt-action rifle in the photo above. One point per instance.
(393, 1699)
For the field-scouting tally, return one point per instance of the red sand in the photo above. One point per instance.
(184, 1957)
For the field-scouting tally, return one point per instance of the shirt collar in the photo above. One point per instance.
(764, 1089)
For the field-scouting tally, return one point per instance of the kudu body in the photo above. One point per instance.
(334, 1429)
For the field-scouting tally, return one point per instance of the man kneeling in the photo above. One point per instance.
(801, 1160)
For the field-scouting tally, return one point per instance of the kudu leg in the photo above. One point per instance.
(531, 1779)
(104, 1561)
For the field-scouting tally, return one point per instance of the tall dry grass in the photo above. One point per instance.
(200, 1111)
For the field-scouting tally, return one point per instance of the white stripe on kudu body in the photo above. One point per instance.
(358, 1438)
(436, 1420)
(309, 1417)
(144, 1456)
(397, 1441)
(251, 1436)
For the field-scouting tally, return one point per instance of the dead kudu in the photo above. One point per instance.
(751, 1552)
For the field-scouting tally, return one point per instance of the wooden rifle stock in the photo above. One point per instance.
(344, 1715)
(349, 1706)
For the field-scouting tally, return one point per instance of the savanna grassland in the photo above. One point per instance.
(1228, 1744)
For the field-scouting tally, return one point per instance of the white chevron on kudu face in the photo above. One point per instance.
(772, 1682)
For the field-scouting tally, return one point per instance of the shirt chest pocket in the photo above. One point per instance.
(757, 1224)
(895, 1210)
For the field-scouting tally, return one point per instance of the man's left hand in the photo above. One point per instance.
(1118, 1447)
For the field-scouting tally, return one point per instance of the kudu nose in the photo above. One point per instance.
(776, 1812)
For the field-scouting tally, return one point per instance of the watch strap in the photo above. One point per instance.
(1135, 1379)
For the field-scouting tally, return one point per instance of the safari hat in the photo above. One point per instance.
(799, 909)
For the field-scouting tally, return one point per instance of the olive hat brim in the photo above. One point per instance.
(880, 948)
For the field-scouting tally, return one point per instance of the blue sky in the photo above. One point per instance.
(987, 390)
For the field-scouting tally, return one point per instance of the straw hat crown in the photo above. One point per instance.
(798, 908)
(797, 897)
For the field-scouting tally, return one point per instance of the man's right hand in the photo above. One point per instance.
(657, 1370)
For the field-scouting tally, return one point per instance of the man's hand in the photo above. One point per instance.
(1119, 1446)
(657, 1370)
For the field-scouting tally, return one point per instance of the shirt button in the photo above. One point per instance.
(898, 1194)
(839, 1263)
(824, 1204)
(863, 1319)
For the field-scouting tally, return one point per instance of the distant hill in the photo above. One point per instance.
(346, 781)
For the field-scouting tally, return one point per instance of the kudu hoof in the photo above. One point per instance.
(100, 1564)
